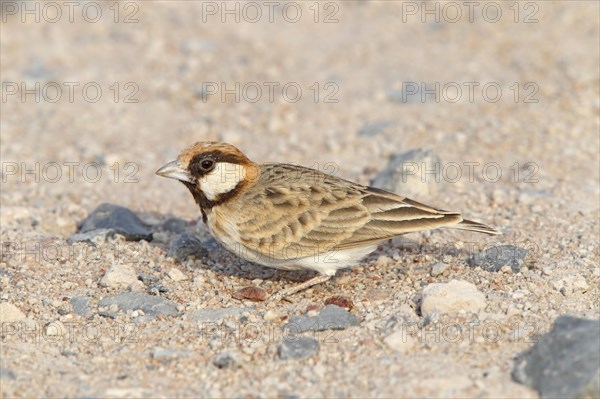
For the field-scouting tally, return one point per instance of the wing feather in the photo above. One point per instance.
(317, 212)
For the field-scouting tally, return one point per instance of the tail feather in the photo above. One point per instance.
(470, 225)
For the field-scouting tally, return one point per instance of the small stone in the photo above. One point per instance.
(493, 259)
(438, 269)
(10, 313)
(63, 310)
(55, 329)
(151, 305)
(331, 317)
(117, 218)
(7, 374)
(214, 315)
(570, 284)
(251, 293)
(93, 236)
(297, 347)
(119, 275)
(400, 341)
(166, 354)
(452, 297)
(375, 128)
(565, 363)
(80, 305)
(177, 275)
(184, 246)
(405, 174)
(137, 286)
(226, 360)
(340, 301)
(270, 315)
(174, 225)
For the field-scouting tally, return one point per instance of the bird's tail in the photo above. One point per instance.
(470, 225)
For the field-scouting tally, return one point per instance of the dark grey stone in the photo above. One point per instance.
(151, 305)
(416, 174)
(174, 225)
(297, 347)
(213, 315)
(375, 128)
(565, 363)
(331, 317)
(107, 314)
(184, 246)
(91, 235)
(80, 305)
(7, 374)
(225, 360)
(495, 258)
(119, 219)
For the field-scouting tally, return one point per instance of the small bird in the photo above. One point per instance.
(294, 218)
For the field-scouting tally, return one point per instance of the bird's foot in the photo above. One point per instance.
(287, 292)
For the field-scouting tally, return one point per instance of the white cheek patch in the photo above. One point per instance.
(224, 178)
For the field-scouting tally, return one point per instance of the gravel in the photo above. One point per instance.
(163, 54)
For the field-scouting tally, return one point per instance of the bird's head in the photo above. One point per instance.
(213, 172)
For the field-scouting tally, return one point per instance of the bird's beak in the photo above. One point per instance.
(174, 170)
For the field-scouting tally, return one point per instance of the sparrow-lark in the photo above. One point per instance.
(291, 217)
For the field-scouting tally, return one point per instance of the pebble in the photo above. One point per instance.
(251, 293)
(167, 354)
(10, 313)
(438, 269)
(213, 315)
(137, 286)
(93, 236)
(55, 329)
(495, 258)
(452, 297)
(405, 174)
(341, 301)
(226, 360)
(177, 275)
(184, 245)
(375, 128)
(123, 221)
(271, 315)
(564, 363)
(297, 347)
(150, 305)
(174, 225)
(570, 284)
(119, 275)
(7, 374)
(400, 341)
(331, 317)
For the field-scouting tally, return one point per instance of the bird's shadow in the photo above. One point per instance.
(215, 257)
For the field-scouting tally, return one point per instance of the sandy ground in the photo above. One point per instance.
(161, 68)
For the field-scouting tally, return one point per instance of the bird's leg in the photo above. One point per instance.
(319, 278)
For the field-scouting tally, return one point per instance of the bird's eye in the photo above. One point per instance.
(207, 164)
